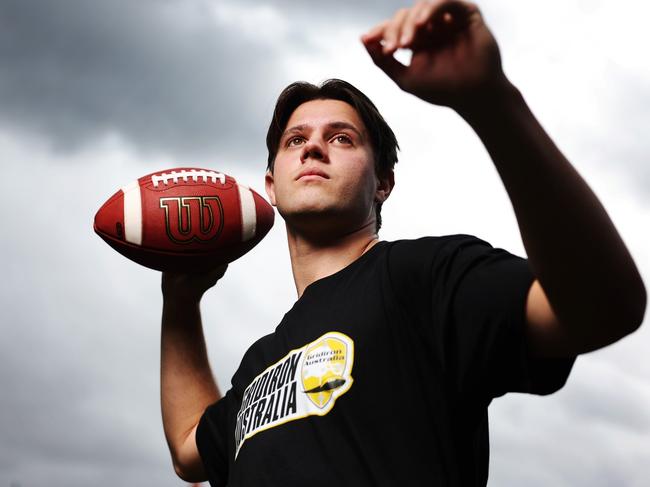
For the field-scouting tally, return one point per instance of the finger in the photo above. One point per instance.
(411, 24)
(442, 20)
(216, 273)
(374, 34)
(386, 62)
(220, 271)
(451, 14)
(426, 11)
(393, 30)
(425, 29)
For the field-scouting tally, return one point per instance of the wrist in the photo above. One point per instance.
(183, 300)
(180, 311)
(484, 102)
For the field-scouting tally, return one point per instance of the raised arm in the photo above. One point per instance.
(588, 291)
(187, 383)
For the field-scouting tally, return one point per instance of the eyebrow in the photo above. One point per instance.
(331, 125)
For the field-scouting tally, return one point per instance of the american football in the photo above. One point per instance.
(184, 220)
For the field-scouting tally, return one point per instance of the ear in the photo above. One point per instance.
(269, 185)
(385, 185)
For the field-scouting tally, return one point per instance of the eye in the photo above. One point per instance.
(293, 141)
(343, 138)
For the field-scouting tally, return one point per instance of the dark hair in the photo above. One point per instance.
(382, 139)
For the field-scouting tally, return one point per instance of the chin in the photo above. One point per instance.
(313, 206)
(309, 215)
(324, 223)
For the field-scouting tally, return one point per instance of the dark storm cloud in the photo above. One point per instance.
(169, 77)
(165, 76)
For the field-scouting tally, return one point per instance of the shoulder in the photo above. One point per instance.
(416, 267)
(436, 243)
(455, 264)
(406, 254)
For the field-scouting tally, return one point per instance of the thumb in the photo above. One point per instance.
(386, 62)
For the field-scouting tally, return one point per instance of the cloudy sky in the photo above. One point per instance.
(96, 94)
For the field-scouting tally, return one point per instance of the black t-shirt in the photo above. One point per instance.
(381, 373)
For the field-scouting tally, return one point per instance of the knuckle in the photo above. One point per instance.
(380, 28)
(390, 30)
(401, 13)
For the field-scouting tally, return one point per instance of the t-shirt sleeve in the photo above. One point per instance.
(211, 440)
(470, 302)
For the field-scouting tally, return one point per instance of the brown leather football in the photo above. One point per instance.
(184, 219)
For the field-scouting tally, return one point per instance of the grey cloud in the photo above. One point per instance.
(80, 328)
(616, 140)
(80, 325)
(620, 409)
(625, 145)
(557, 440)
(79, 383)
(79, 395)
(166, 77)
(341, 11)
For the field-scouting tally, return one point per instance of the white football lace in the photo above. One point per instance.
(195, 174)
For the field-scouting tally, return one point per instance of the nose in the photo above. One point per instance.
(314, 149)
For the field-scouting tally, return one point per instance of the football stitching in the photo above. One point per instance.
(184, 175)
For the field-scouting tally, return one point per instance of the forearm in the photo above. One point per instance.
(187, 384)
(573, 247)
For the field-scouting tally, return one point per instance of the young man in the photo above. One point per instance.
(382, 371)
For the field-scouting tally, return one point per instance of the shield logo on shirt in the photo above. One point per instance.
(324, 368)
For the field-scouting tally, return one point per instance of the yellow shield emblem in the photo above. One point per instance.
(324, 370)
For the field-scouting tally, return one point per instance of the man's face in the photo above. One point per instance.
(324, 177)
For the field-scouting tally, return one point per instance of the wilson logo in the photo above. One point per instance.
(193, 218)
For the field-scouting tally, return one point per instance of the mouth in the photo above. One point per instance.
(312, 174)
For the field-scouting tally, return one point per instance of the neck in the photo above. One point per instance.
(315, 258)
